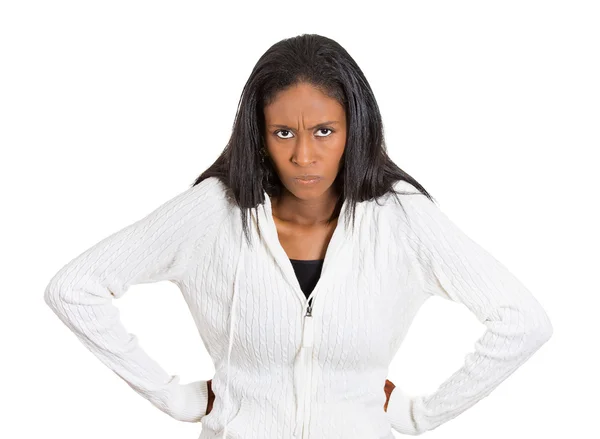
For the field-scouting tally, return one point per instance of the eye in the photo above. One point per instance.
(282, 131)
(327, 129)
(324, 129)
(289, 132)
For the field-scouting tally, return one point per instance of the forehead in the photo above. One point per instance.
(303, 101)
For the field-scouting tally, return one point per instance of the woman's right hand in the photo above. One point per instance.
(211, 397)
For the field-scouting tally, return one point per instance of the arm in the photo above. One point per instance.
(456, 268)
(155, 248)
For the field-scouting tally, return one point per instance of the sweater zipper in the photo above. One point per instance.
(307, 343)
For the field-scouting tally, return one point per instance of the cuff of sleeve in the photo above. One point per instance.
(191, 402)
(400, 412)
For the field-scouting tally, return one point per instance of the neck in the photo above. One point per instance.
(309, 213)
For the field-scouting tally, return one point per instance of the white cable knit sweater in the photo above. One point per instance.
(278, 372)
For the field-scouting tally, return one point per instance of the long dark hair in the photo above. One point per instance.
(366, 171)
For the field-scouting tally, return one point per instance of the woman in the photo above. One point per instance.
(303, 254)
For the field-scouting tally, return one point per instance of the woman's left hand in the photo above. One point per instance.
(387, 388)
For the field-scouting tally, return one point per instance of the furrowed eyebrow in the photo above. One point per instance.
(330, 122)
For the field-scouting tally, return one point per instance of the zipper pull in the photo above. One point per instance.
(309, 307)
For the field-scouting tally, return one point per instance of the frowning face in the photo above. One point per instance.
(305, 136)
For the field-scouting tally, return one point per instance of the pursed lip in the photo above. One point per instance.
(308, 177)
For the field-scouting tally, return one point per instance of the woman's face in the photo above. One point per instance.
(305, 135)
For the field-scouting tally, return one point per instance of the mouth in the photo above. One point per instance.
(308, 179)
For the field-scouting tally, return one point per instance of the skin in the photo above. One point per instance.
(305, 134)
(298, 141)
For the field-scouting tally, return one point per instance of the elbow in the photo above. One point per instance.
(530, 325)
(542, 331)
(545, 331)
(53, 294)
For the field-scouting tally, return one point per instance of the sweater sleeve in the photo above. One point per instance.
(456, 268)
(152, 249)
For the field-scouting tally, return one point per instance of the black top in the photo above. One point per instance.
(308, 272)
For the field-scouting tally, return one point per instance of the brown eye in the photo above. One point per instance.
(324, 129)
(282, 131)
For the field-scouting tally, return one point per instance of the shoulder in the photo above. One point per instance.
(406, 199)
(193, 217)
(210, 200)
(211, 188)
(192, 213)
(414, 213)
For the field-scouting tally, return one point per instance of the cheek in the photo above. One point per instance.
(340, 145)
(334, 165)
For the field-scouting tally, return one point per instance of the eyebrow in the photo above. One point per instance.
(329, 122)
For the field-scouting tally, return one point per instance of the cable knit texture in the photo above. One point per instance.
(278, 372)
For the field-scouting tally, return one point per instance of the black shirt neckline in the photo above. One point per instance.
(307, 261)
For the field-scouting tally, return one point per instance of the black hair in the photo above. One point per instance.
(366, 171)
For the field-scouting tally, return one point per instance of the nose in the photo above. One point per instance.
(305, 150)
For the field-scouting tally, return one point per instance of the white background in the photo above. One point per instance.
(108, 109)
